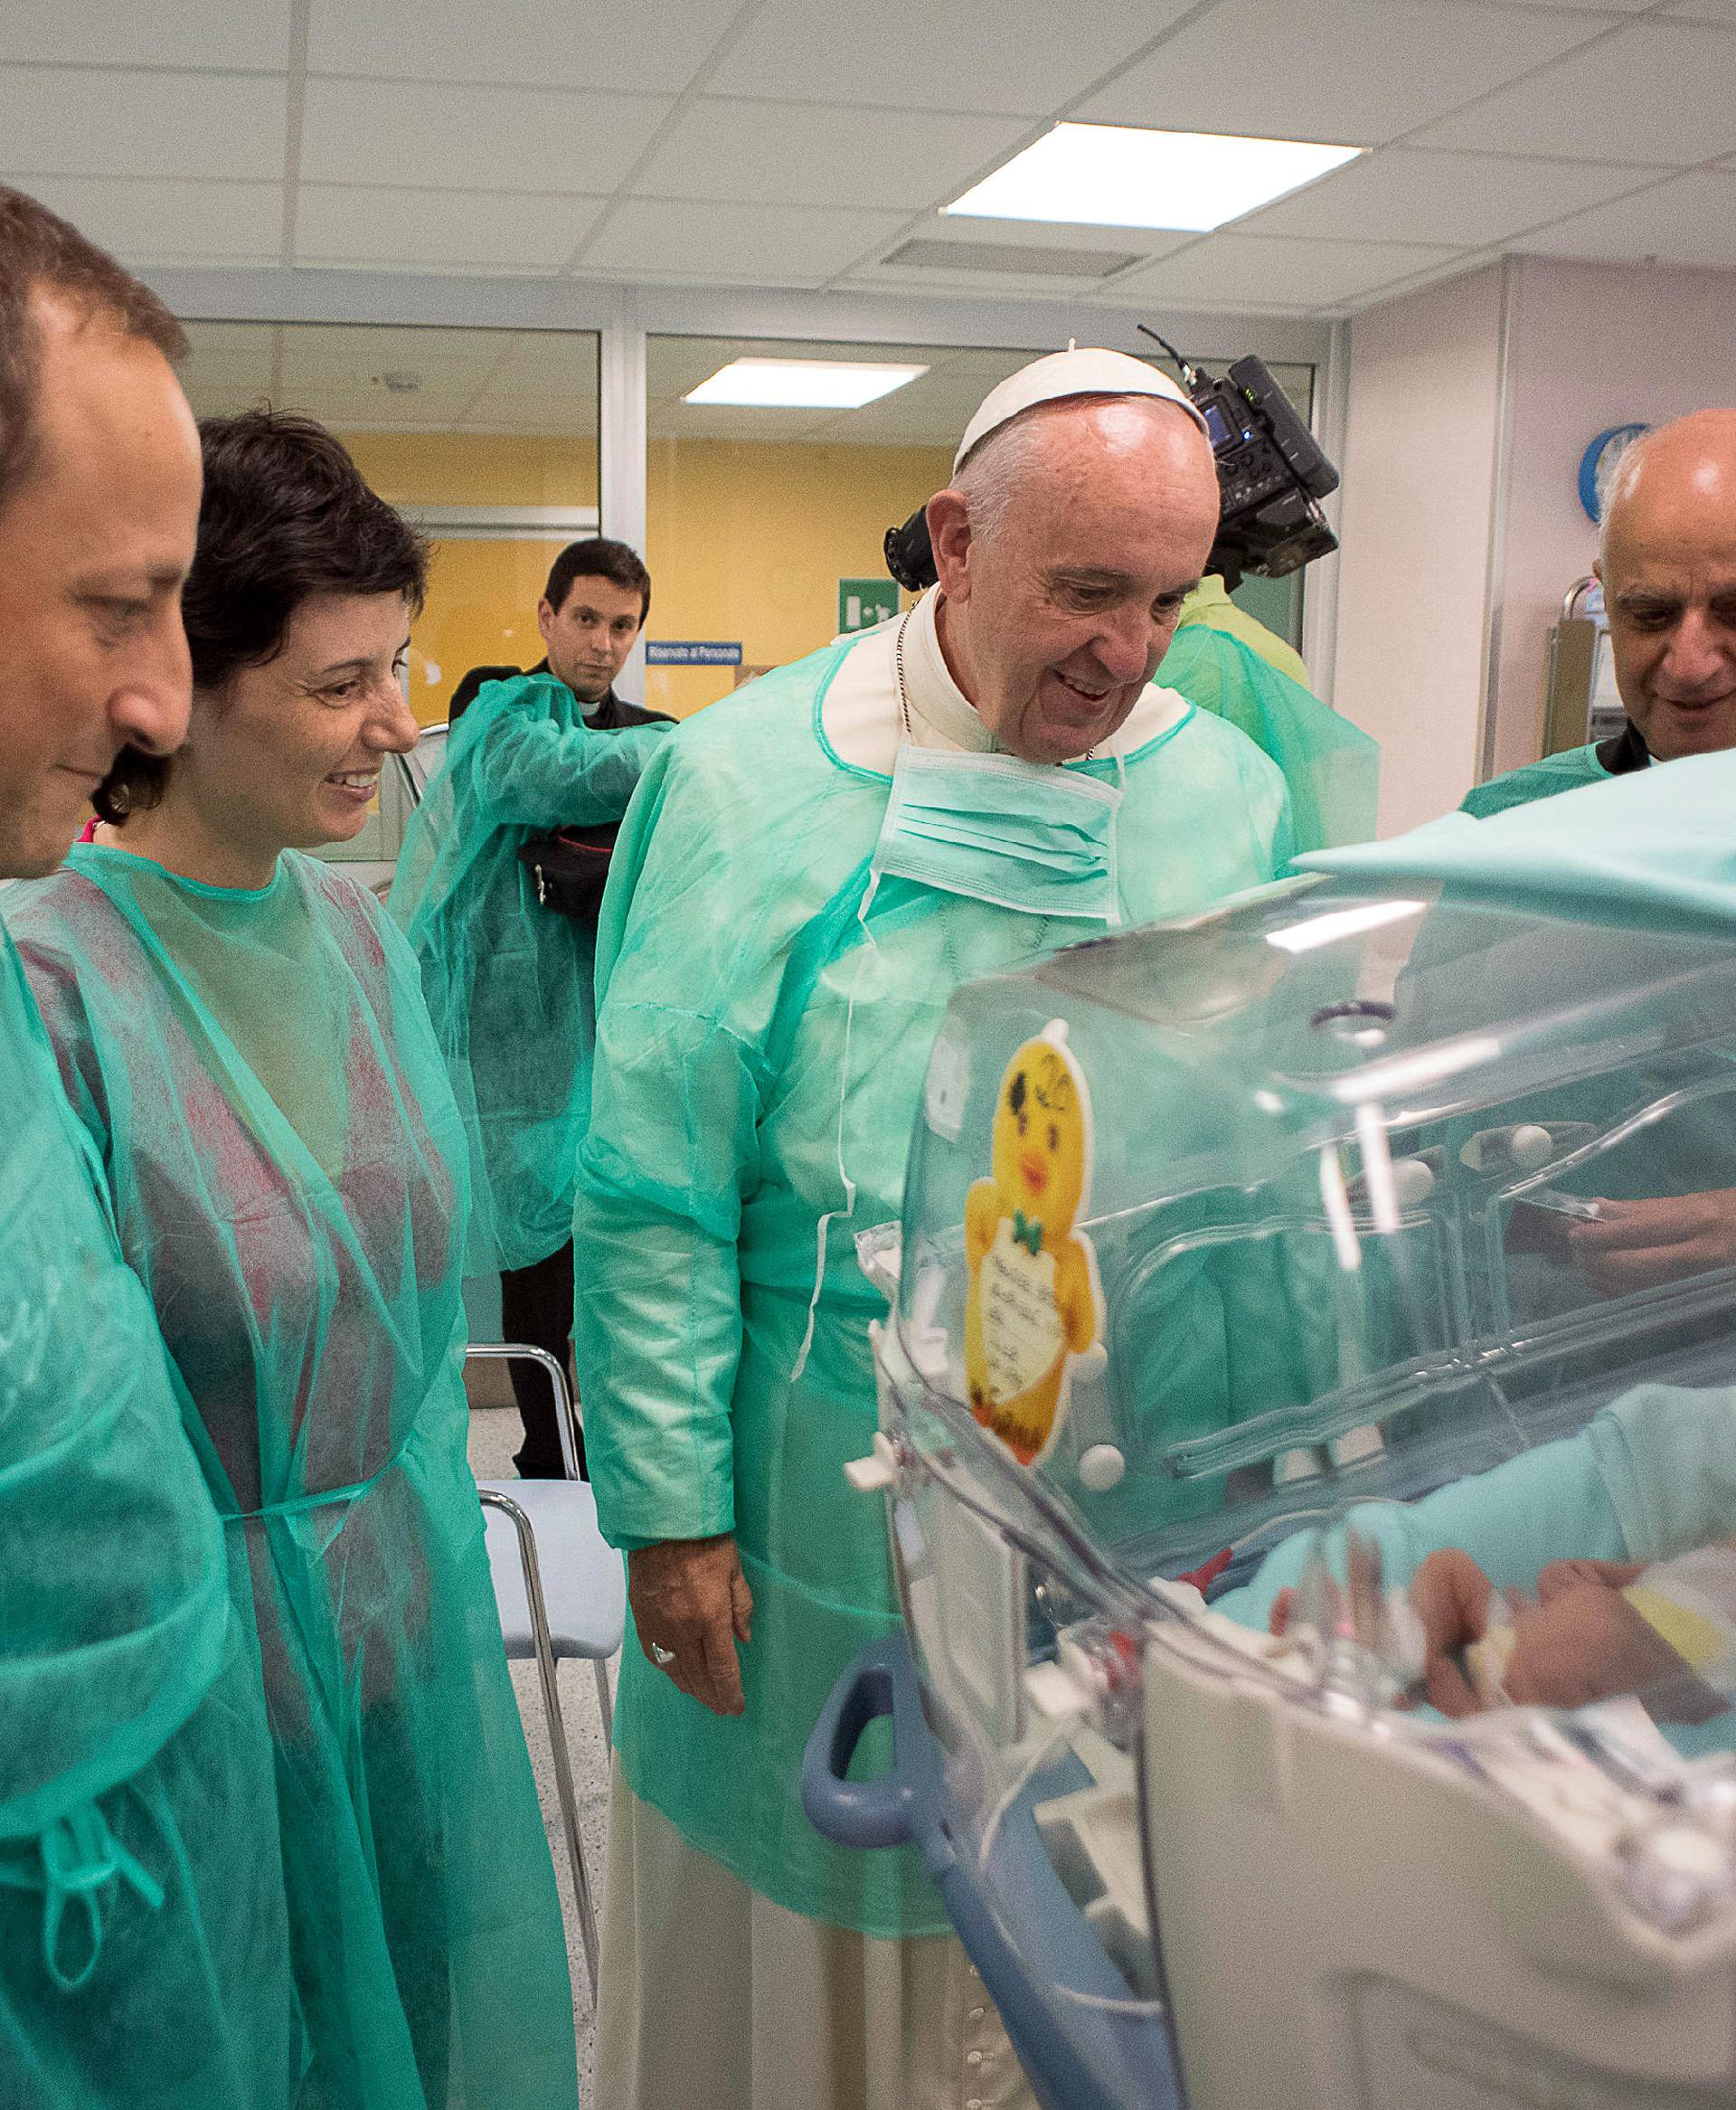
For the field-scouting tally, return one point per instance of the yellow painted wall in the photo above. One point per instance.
(746, 543)
(482, 596)
(476, 468)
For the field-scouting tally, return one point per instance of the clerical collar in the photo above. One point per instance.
(933, 695)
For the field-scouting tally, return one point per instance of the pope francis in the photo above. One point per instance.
(807, 872)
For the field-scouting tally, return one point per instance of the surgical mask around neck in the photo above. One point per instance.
(1031, 836)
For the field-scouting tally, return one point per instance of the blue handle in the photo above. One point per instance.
(1083, 2042)
(899, 1807)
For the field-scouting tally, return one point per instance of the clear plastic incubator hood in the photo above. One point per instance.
(1309, 1430)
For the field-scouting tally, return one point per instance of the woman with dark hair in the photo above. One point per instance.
(243, 1034)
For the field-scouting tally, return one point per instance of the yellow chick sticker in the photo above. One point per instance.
(1032, 1301)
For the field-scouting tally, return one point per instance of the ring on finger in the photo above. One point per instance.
(661, 1656)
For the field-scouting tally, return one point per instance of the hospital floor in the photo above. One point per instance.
(495, 1435)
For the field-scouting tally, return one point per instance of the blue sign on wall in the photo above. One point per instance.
(681, 652)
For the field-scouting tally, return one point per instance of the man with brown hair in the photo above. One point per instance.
(144, 1956)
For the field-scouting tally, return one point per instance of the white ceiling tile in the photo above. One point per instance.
(1690, 220)
(251, 34)
(1351, 72)
(1405, 195)
(61, 121)
(1653, 92)
(1248, 269)
(937, 279)
(1015, 55)
(773, 245)
(651, 46)
(148, 221)
(474, 138)
(490, 230)
(815, 154)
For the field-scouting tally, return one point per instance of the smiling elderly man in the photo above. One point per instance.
(1666, 556)
(805, 875)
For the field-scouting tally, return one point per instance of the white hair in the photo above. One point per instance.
(1621, 485)
(997, 464)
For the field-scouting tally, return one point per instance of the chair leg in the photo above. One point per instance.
(557, 1723)
(604, 1702)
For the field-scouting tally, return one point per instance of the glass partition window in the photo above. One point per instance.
(765, 523)
(485, 439)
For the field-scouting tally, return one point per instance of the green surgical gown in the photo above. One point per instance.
(509, 981)
(1209, 604)
(1539, 779)
(288, 1174)
(1331, 767)
(144, 1950)
(761, 1050)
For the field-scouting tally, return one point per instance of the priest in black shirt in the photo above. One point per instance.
(594, 606)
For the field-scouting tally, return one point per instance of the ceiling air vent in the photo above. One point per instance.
(1017, 259)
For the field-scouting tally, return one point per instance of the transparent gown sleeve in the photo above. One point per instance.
(670, 1153)
(533, 771)
(1331, 767)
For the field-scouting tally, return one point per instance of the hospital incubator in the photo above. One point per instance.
(1307, 1429)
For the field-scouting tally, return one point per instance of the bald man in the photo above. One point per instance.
(1667, 560)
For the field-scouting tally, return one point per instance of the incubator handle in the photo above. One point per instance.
(897, 1808)
(1084, 2041)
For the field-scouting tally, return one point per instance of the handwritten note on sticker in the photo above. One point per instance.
(1033, 1303)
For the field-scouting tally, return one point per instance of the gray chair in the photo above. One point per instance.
(561, 1591)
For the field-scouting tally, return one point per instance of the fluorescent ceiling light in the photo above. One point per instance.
(1116, 176)
(821, 385)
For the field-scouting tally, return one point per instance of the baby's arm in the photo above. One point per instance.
(1544, 1505)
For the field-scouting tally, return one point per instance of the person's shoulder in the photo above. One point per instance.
(45, 915)
(762, 724)
(626, 715)
(1564, 772)
(333, 891)
(1205, 650)
(510, 693)
(1211, 738)
(351, 912)
(469, 684)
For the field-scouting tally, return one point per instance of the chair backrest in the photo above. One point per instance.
(419, 765)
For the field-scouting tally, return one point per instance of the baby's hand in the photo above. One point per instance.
(1451, 1595)
(1586, 1642)
(1561, 1575)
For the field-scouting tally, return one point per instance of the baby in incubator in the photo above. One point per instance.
(1662, 1629)
(1599, 1565)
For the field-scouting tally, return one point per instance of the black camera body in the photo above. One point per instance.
(1271, 477)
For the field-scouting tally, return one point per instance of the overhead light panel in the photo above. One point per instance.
(817, 385)
(1122, 176)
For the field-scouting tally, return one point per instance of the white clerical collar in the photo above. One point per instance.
(933, 695)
